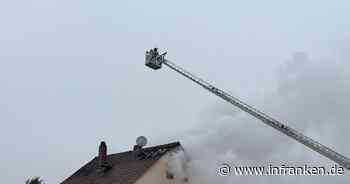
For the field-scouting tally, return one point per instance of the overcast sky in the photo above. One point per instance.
(72, 74)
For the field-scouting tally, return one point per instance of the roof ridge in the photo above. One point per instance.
(172, 144)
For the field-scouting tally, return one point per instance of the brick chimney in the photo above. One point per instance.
(103, 165)
(102, 154)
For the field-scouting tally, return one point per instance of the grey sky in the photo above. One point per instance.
(72, 72)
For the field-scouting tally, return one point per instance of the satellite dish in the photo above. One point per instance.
(141, 141)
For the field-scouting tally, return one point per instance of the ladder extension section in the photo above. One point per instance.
(314, 145)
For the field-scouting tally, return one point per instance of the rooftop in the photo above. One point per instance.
(124, 168)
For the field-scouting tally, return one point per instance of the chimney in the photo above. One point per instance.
(102, 154)
(103, 166)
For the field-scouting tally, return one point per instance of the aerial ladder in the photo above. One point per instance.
(155, 61)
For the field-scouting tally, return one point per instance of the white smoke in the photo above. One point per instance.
(312, 96)
(176, 166)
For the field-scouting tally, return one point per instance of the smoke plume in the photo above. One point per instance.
(312, 96)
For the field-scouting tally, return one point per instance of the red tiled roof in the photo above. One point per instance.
(126, 166)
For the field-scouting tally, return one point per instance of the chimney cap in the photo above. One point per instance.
(103, 143)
